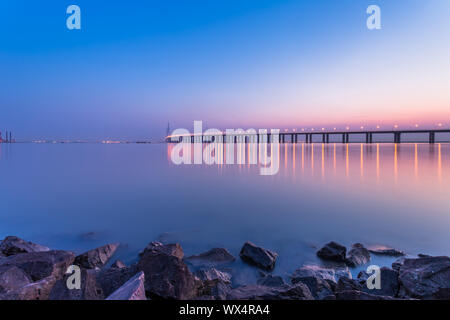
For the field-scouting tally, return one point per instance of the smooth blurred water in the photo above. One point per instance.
(133, 194)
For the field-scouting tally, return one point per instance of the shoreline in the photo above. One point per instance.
(209, 275)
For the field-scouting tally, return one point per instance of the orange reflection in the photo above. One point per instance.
(346, 160)
(362, 161)
(416, 162)
(378, 161)
(323, 160)
(395, 162)
(439, 163)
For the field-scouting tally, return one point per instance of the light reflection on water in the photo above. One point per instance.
(396, 195)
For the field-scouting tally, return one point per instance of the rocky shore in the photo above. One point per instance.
(29, 271)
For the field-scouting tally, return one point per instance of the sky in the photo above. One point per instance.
(136, 65)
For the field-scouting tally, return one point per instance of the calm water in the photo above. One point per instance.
(374, 194)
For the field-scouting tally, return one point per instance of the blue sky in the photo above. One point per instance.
(135, 65)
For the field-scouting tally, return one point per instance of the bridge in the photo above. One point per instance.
(293, 137)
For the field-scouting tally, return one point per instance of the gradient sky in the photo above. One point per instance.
(136, 65)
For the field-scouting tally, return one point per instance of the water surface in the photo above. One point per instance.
(78, 196)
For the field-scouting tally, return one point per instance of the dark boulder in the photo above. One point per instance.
(133, 289)
(40, 265)
(213, 274)
(260, 257)
(211, 258)
(113, 278)
(320, 281)
(39, 290)
(96, 258)
(166, 275)
(171, 249)
(425, 278)
(358, 255)
(12, 278)
(255, 292)
(89, 289)
(13, 245)
(118, 264)
(389, 282)
(333, 251)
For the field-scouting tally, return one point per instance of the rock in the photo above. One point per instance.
(386, 251)
(260, 257)
(389, 282)
(166, 275)
(358, 255)
(13, 245)
(333, 251)
(12, 278)
(96, 258)
(118, 264)
(89, 290)
(320, 281)
(425, 278)
(398, 263)
(213, 274)
(168, 249)
(345, 284)
(421, 255)
(40, 265)
(39, 290)
(255, 292)
(211, 258)
(328, 274)
(271, 281)
(313, 271)
(113, 278)
(133, 289)
(214, 290)
(359, 295)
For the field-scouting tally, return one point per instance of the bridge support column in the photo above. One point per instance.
(432, 137)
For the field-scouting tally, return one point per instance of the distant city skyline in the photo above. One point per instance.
(134, 67)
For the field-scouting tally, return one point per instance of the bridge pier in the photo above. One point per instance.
(432, 138)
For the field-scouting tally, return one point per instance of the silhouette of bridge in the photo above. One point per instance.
(293, 137)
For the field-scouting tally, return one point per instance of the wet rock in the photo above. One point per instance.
(389, 282)
(89, 289)
(213, 274)
(168, 249)
(113, 278)
(425, 278)
(255, 292)
(333, 251)
(211, 258)
(40, 265)
(386, 251)
(358, 255)
(359, 295)
(118, 264)
(133, 289)
(166, 275)
(260, 257)
(96, 258)
(271, 281)
(346, 284)
(13, 245)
